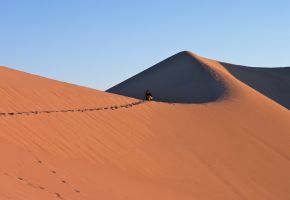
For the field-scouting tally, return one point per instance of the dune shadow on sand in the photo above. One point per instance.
(180, 78)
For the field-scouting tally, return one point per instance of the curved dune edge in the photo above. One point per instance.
(271, 82)
(180, 78)
(234, 87)
(233, 148)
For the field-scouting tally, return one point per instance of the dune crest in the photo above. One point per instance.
(272, 82)
(180, 78)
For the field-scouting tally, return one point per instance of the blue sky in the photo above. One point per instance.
(102, 42)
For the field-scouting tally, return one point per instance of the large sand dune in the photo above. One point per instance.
(236, 146)
(181, 78)
(272, 82)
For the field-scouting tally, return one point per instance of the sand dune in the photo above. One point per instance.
(272, 82)
(235, 146)
(180, 78)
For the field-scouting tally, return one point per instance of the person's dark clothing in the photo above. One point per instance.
(148, 95)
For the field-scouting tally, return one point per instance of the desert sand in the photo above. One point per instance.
(272, 82)
(62, 141)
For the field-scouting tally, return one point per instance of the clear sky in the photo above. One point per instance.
(102, 42)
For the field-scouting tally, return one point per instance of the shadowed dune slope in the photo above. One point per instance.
(180, 78)
(272, 82)
(234, 148)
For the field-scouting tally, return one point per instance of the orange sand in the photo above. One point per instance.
(236, 147)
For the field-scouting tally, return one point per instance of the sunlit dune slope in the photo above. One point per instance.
(235, 147)
(25, 92)
(272, 82)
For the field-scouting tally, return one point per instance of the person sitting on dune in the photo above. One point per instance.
(148, 96)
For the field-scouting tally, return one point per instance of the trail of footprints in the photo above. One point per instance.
(71, 110)
(40, 187)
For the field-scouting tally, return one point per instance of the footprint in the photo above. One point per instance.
(30, 184)
(58, 195)
(73, 110)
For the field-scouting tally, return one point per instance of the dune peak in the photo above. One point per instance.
(181, 78)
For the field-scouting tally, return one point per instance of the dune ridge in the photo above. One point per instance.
(272, 82)
(235, 147)
(199, 84)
